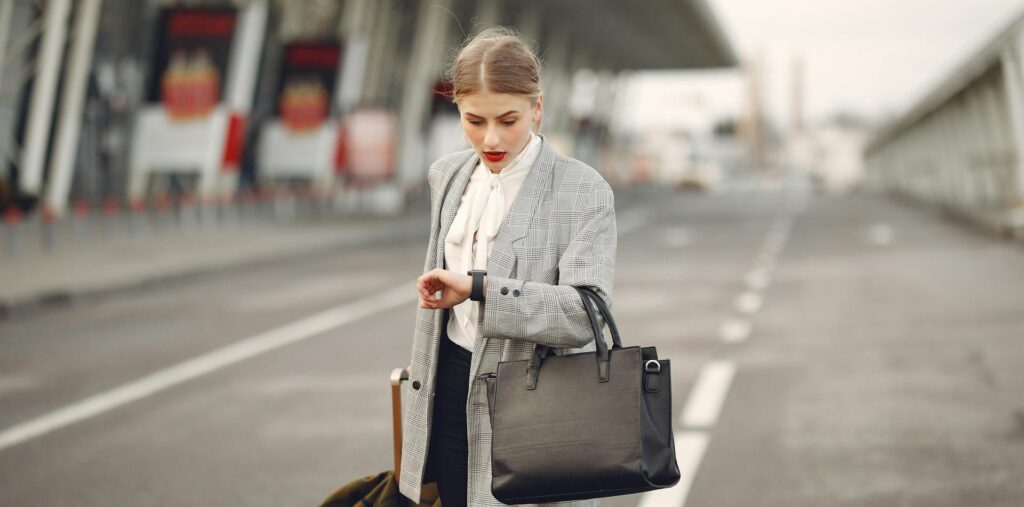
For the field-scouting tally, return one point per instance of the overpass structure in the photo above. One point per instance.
(394, 52)
(961, 147)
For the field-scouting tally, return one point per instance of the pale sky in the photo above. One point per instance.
(868, 56)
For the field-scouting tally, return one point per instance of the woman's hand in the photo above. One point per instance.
(454, 288)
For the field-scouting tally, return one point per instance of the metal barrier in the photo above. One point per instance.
(962, 146)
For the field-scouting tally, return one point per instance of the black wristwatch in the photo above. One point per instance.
(476, 292)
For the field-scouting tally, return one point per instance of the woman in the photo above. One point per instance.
(537, 223)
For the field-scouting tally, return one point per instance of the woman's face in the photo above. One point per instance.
(498, 125)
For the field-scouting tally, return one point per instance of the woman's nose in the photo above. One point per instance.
(491, 138)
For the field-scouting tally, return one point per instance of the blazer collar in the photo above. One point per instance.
(516, 222)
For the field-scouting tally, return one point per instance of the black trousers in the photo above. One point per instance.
(448, 452)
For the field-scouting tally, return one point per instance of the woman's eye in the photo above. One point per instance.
(509, 123)
(475, 122)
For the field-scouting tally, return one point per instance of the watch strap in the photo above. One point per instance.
(476, 291)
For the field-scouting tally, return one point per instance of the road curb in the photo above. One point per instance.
(407, 227)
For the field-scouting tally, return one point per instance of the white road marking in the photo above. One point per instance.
(676, 237)
(690, 447)
(715, 377)
(881, 234)
(748, 302)
(757, 279)
(207, 363)
(630, 220)
(708, 394)
(735, 330)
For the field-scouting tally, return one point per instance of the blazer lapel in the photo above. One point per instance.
(452, 197)
(516, 224)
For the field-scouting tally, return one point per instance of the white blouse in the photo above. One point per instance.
(487, 199)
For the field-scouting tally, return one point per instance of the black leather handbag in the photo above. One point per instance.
(585, 425)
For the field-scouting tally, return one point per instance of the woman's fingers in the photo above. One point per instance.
(430, 282)
(424, 287)
(427, 303)
(442, 280)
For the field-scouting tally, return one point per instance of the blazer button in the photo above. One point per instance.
(416, 385)
(504, 290)
(515, 292)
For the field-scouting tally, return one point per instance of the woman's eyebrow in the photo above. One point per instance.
(499, 116)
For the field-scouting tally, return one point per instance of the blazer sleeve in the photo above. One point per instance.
(553, 315)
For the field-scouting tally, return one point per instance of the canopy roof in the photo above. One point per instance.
(644, 34)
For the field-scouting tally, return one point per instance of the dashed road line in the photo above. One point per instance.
(708, 394)
(630, 220)
(676, 237)
(757, 279)
(881, 234)
(748, 302)
(735, 330)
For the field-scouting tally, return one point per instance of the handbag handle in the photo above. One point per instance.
(605, 312)
(589, 298)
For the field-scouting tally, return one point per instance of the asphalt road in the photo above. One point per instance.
(826, 351)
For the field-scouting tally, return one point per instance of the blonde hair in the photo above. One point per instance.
(497, 60)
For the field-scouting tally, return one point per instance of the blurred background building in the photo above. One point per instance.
(123, 103)
(118, 107)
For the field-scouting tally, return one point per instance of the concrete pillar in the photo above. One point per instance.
(935, 156)
(555, 82)
(528, 20)
(605, 96)
(997, 175)
(70, 121)
(381, 13)
(1012, 61)
(355, 30)
(393, 65)
(919, 162)
(245, 55)
(959, 168)
(488, 14)
(40, 112)
(948, 154)
(239, 89)
(977, 139)
(422, 71)
(374, 43)
(6, 11)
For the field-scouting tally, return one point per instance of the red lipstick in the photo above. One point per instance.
(495, 156)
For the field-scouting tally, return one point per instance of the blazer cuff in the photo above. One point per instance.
(502, 307)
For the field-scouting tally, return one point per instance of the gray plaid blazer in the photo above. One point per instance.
(559, 232)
